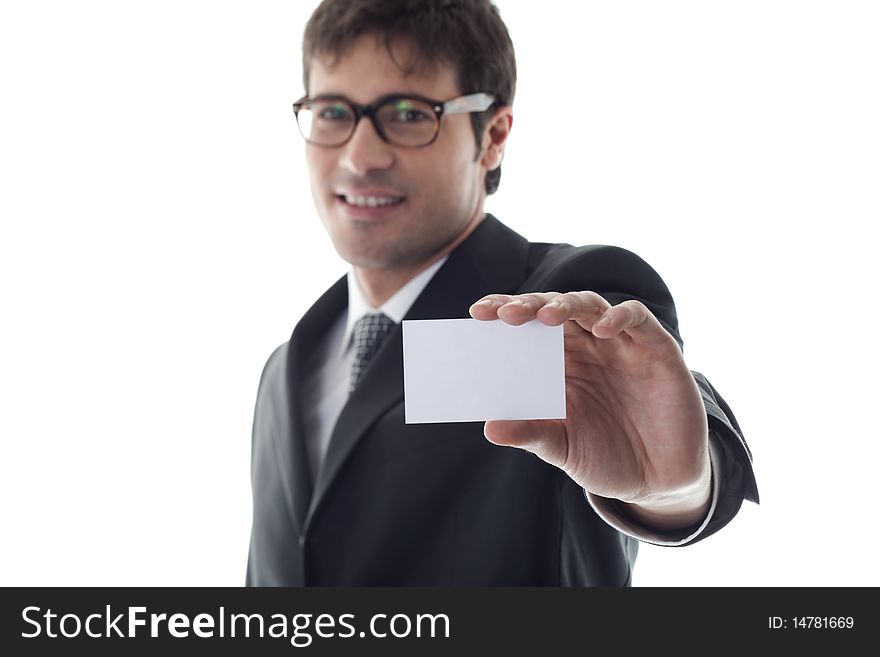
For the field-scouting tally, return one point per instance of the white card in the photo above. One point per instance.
(465, 370)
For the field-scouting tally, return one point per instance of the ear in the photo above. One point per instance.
(495, 137)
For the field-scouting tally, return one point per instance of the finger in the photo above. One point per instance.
(523, 308)
(583, 307)
(511, 308)
(633, 318)
(546, 439)
(487, 307)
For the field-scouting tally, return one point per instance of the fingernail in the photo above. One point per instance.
(484, 302)
(605, 321)
(552, 304)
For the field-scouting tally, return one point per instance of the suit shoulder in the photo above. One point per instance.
(596, 263)
(613, 272)
(275, 364)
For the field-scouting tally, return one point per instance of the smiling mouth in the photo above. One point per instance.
(358, 201)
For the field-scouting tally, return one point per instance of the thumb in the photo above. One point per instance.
(545, 439)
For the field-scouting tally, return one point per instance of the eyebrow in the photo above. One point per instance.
(392, 94)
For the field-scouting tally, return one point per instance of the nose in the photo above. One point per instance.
(366, 151)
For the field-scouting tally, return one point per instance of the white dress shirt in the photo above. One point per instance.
(326, 391)
(326, 388)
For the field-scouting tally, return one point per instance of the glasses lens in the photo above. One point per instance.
(407, 121)
(326, 122)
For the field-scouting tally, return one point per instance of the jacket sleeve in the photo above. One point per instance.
(619, 275)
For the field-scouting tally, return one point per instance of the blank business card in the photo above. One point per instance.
(464, 370)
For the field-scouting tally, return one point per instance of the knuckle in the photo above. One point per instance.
(636, 308)
(529, 299)
(555, 297)
(588, 301)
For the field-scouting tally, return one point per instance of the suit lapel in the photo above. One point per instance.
(310, 330)
(492, 259)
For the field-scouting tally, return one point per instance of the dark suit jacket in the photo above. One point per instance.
(437, 504)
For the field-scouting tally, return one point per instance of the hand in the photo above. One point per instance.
(635, 426)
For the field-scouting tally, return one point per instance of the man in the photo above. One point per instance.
(406, 116)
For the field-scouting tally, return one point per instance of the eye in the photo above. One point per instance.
(406, 112)
(335, 112)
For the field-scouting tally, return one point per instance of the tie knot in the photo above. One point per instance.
(370, 332)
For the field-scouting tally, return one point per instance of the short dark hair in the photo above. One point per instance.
(469, 35)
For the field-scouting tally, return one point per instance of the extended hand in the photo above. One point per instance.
(635, 426)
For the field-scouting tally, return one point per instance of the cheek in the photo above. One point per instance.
(450, 170)
(320, 164)
(321, 170)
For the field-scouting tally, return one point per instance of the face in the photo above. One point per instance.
(425, 197)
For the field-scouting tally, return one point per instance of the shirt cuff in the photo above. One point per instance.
(612, 512)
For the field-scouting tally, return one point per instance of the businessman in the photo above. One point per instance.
(406, 116)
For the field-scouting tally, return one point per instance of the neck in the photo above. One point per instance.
(379, 285)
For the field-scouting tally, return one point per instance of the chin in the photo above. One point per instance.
(358, 254)
(385, 258)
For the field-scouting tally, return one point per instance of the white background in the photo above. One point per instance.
(159, 241)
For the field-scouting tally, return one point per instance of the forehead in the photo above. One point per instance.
(365, 70)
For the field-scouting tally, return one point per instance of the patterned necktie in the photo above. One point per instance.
(370, 332)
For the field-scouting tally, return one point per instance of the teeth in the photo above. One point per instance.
(372, 201)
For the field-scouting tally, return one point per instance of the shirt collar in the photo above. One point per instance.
(396, 307)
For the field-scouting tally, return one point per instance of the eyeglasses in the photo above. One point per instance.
(408, 121)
